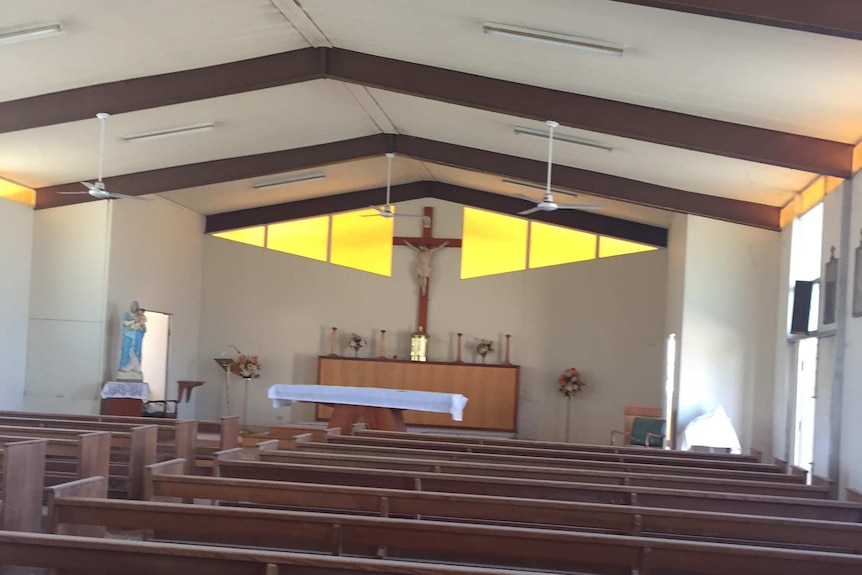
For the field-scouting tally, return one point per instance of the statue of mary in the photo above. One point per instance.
(133, 327)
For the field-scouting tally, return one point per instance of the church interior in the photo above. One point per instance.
(351, 286)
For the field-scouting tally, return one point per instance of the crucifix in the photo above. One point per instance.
(426, 246)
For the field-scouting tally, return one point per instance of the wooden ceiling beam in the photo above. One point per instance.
(580, 220)
(841, 18)
(161, 90)
(572, 110)
(594, 114)
(226, 170)
(592, 183)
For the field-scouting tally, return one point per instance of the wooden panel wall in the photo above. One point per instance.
(492, 390)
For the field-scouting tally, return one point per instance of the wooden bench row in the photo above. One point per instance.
(334, 445)
(359, 430)
(165, 481)
(230, 464)
(436, 541)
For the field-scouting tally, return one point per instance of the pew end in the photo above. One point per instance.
(91, 487)
(170, 467)
(23, 485)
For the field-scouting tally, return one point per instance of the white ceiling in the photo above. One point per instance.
(756, 75)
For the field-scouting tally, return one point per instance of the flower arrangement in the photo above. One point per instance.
(570, 382)
(484, 347)
(247, 366)
(356, 343)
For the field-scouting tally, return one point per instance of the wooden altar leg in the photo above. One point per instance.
(382, 418)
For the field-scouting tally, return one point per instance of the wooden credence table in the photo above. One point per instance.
(378, 408)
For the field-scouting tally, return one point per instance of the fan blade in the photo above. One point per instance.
(73, 193)
(116, 196)
(530, 211)
(578, 207)
(90, 186)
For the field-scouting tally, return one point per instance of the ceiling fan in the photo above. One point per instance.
(387, 210)
(97, 188)
(547, 204)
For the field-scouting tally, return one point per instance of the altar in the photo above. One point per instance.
(379, 408)
(492, 389)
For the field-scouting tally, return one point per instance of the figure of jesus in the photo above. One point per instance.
(423, 264)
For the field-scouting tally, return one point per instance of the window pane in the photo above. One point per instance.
(253, 236)
(492, 244)
(555, 245)
(362, 243)
(308, 238)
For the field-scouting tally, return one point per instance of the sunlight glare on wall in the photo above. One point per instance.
(492, 244)
(554, 245)
(362, 243)
(255, 236)
(609, 247)
(17, 193)
(308, 238)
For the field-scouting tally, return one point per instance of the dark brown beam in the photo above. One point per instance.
(311, 207)
(581, 220)
(594, 114)
(161, 90)
(573, 110)
(592, 183)
(842, 18)
(227, 170)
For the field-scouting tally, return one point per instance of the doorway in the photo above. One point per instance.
(155, 352)
(806, 390)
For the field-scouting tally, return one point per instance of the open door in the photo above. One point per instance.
(155, 352)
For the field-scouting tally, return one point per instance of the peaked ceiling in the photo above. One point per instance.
(722, 112)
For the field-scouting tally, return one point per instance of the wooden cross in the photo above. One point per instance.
(427, 241)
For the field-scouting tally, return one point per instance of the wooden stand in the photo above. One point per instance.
(121, 406)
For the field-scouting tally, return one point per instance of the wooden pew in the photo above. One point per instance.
(109, 557)
(229, 465)
(178, 439)
(441, 541)
(227, 429)
(394, 460)
(88, 455)
(286, 435)
(303, 443)
(754, 457)
(22, 484)
(164, 480)
(130, 453)
(641, 457)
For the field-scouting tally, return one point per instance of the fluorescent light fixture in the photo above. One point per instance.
(538, 186)
(34, 33)
(563, 138)
(578, 43)
(291, 180)
(170, 132)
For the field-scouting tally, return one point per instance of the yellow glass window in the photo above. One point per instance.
(362, 243)
(253, 236)
(308, 238)
(609, 247)
(492, 244)
(17, 192)
(555, 245)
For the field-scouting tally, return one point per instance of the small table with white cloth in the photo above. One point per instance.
(124, 398)
(378, 408)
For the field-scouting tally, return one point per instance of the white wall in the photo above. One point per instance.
(65, 351)
(727, 351)
(605, 317)
(16, 249)
(851, 422)
(156, 255)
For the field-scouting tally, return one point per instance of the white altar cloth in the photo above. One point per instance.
(451, 403)
(126, 389)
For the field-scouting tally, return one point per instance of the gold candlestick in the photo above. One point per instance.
(382, 352)
(333, 341)
(507, 362)
(458, 358)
